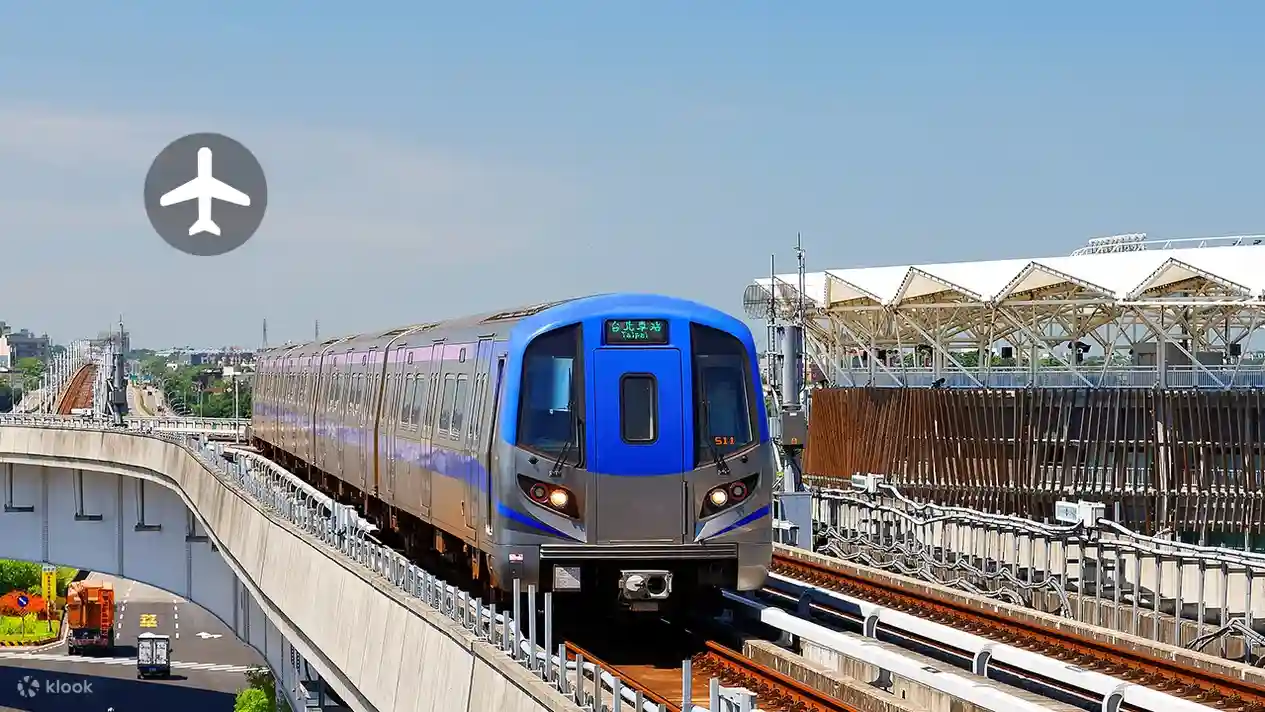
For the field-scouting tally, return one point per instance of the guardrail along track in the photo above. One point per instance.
(79, 391)
(661, 684)
(1203, 686)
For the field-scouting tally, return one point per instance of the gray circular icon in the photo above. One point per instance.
(205, 194)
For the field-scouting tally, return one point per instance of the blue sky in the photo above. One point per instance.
(427, 161)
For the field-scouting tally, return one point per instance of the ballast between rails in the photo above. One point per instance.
(1006, 663)
(1216, 689)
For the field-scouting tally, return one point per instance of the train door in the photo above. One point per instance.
(364, 422)
(475, 466)
(639, 445)
(488, 437)
(307, 433)
(344, 414)
(390, 419)
(325, 448)
(368, 417)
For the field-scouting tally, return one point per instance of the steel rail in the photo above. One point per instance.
(776, 692)
(1204, 686)
(79, 387)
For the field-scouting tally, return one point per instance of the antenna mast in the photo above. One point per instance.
(799, 255)
(317, 331)
(265, 343)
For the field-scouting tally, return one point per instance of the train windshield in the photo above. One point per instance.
(551, 409)
(724, 411)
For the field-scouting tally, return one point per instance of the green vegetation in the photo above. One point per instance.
(22, 626)
(196, 390)
(25, 576)
(260, 695)
(27, 630)
(32, 370)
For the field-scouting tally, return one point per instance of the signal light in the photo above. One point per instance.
(718, 497)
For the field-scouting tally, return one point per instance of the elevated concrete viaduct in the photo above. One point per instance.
(147, 507)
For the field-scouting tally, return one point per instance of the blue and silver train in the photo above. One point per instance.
(614, 446)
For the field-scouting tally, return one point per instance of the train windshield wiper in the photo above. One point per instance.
(556, 470)
(722, 467)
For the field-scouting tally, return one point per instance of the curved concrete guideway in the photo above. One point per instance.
(380, 650)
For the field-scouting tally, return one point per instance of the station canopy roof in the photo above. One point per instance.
(1122, 276)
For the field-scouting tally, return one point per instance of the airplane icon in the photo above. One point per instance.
(203, 189)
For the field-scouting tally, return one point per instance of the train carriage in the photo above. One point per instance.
(611, 446)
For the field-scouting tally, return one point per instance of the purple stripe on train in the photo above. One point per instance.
(438, 458)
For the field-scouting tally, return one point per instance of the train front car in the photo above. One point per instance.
(635, 466)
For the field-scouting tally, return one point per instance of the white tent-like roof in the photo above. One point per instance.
(1121, 276)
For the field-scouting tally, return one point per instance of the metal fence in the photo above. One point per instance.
(1092, 570)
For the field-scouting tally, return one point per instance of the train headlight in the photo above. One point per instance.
(728, 495)
(558, 498)
(550, 496)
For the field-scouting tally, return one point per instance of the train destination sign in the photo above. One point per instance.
(635, 331)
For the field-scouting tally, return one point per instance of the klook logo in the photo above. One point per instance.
(30, 687)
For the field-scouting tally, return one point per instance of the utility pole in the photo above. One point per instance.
(118, 393)
(794, 500)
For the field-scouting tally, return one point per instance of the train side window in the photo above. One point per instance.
(476, 419)
(409, 384)
(639, 408)
(459, 406)
(416, 398)
(445, 407)
(432, 394)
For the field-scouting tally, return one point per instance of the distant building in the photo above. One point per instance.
(15, 346)
(209, 357)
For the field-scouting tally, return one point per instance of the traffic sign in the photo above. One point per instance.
(23, 600)
(48, 583)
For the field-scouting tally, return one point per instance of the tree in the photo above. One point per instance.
(197, 391)
(6, 398)
(261, 695)
(18, 575)
(32, 369)
(253, 699)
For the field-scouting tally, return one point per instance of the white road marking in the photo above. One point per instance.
(179, 664)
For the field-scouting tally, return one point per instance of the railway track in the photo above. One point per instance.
(78, 391)
(662, 684)
(1206, 687)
